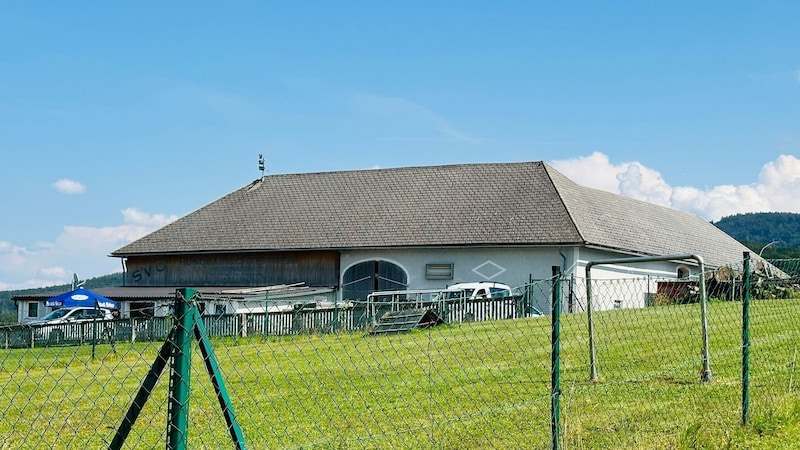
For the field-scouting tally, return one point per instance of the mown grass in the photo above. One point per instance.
(478, 385)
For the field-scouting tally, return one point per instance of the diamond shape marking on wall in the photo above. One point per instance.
(489, 270)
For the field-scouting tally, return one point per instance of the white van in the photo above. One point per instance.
(477, 290)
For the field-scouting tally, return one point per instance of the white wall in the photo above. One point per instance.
(623, 285)
(22, 311)
(512, 266)
(515, 266)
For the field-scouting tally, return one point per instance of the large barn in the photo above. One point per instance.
(342, 235)
(417, 228)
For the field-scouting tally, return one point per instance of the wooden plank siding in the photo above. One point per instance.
(315, 268)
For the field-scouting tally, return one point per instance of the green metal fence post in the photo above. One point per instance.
(335, 327)
(181, 369)
(214, 372)
(266, 315)
(746, 340)
(529, 296)
(555, 374)
(94, 328)
(590, 320)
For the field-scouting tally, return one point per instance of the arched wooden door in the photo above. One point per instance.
(367, 277)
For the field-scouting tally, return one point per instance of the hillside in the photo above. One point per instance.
(756, 230)
(8, 312)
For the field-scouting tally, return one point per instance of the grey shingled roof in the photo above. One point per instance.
(499, 204)
(613, 221)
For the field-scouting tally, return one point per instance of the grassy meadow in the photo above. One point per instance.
(473, 385)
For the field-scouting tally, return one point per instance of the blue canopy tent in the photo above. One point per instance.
(81, 297)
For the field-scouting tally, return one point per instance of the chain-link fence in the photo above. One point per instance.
(647, 373)
(661, 362)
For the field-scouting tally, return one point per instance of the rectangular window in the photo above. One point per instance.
(33, 310)
(439, 271)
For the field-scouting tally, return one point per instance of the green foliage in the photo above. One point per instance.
(755, 230)
(8, 316)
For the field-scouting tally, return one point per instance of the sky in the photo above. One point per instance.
(117, 118)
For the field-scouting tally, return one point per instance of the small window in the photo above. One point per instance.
(439, 271)
(683, 272)
(33, 309)
(219, 310)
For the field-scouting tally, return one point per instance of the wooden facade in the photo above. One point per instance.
(314, 268)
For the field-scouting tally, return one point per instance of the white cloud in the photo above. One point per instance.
(719, 201)
(78, 249)
(594, 171)
(631, 179)
(133, 216)
(776, 189)
(67, 186)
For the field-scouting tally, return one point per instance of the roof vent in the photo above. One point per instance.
(261, 164)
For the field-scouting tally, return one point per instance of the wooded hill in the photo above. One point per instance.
(778, 234)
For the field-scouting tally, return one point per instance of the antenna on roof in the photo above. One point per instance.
(75, 282)
(261, 164)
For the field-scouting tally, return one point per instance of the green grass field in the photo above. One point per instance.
(477, 385)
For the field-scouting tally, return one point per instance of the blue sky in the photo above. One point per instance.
(118, 118)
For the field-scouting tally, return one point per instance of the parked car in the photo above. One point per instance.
(76, 314)
(65, 323)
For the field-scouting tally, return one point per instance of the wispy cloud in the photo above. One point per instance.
(776, 189)
(193, 100)
(411, 117)
(67, 186)
(86, 250)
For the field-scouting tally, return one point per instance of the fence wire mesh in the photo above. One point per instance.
(647, 387)
(318, 378)
(294, 383)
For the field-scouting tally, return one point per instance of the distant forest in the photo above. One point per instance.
(778, 234)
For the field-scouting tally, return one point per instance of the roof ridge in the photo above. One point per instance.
(548, 169)
(394, 169)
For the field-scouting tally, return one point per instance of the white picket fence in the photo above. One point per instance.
(353, 317)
